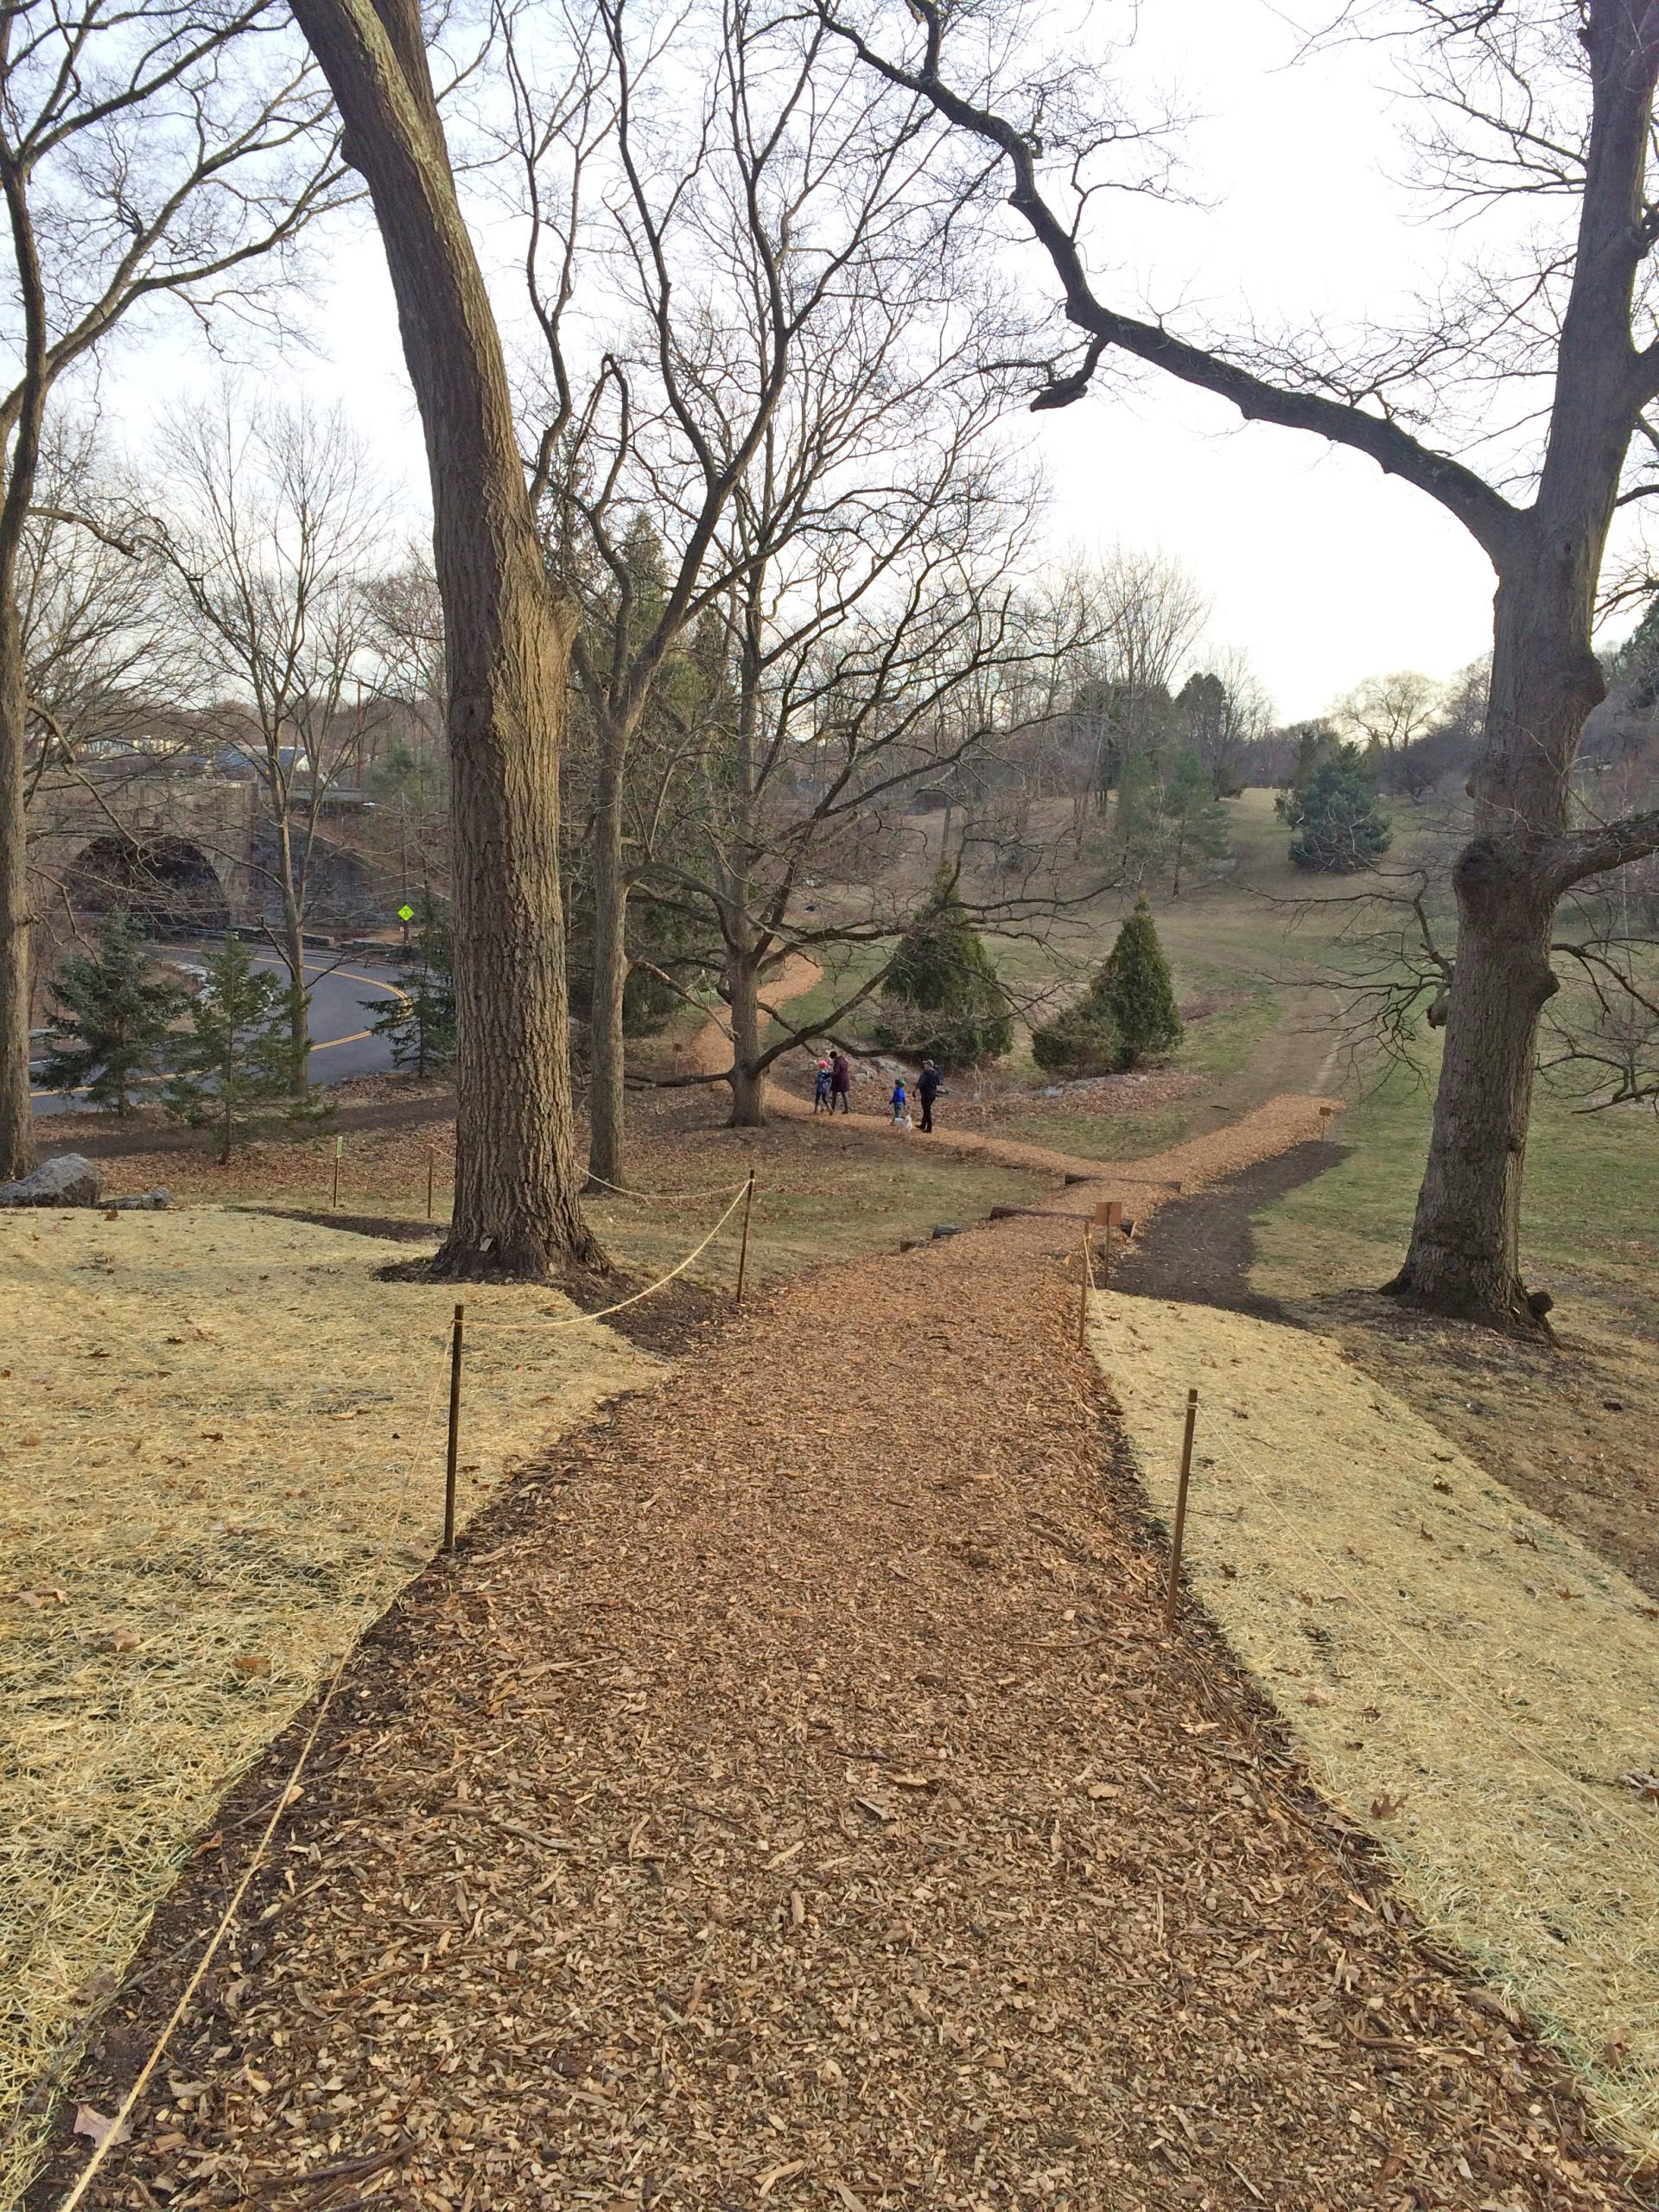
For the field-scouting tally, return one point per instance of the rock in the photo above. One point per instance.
(67, 1181)
(947, 1228)
(156, 1201)
(1053, 1090)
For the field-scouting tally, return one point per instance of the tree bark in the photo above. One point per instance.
(299, 1025)
(1464, 1256)
(748, 1078)
(607, 1094)
(517, 1211)
(16, 1114)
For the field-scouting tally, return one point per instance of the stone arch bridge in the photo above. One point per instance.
(192, 849)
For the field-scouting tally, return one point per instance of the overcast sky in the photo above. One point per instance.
(1320, 568)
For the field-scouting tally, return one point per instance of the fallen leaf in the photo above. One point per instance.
(1320, 1697)
(92, 2123)
(1385, 1806)
(251, 1662)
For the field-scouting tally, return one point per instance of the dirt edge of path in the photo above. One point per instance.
(1201, 1249)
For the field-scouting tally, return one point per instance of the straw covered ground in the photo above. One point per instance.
(1475, 1686)
(221, 1455)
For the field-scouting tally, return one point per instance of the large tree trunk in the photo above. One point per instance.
(607, 1094)
(1466, 1242)
(507, 644)
(748, 1078)
(17, 1114)
(299, 1012)
(1465, 1252)
(1464, 1256)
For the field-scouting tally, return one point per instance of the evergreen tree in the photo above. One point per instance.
(1316, 743)
(1136, 989)
(1082, 1041)
(1194, 818)
(237, 1056)
(1137, 817)
(420, 1022)
(943, 999)
(1338, 826)
(108, 1015)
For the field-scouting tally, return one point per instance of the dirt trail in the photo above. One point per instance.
(1277, 1121)
(791, 1798)
(709, 1053)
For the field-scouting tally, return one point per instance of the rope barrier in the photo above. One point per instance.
(1469, 1704)
(124, 2109)
(708, 1191)
(576, 1320)
(129, 2103)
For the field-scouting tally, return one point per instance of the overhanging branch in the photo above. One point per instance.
(1488, 517)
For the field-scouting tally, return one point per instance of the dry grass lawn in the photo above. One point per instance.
(1473, 1683)
(221, 1453)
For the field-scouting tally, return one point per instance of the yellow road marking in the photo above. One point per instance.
(327, 1045)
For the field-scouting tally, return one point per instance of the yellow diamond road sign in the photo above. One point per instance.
(405, 913)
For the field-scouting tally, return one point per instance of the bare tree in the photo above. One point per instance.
(405, 767)
(105, 682)
(102, 668)
(1388, 716)
(1548, 100)
(272, 520)
(772, 255)
(139, 165)
(875, 655)
(507, 638)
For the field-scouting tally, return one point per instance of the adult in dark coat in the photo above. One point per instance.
(928, 1085)
(841, 1083)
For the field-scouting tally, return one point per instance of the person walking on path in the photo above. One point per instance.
(821, 1090)
(841, 1083)
(900, 1106)
(927, 1090)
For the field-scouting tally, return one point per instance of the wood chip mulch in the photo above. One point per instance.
(790, 1799)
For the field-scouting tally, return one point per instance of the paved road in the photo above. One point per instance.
(340, 1042)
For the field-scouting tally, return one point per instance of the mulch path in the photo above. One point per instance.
(789, 1797)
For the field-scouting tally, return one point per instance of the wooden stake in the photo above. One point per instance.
(1325, 1124)
(457, 1327)
(1174, 1589)
(428, 1182)
(336, 1197)
(743, 1249)
(1083, 1289)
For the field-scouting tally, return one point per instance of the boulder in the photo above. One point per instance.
(67, 1181)
(156, 1201)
